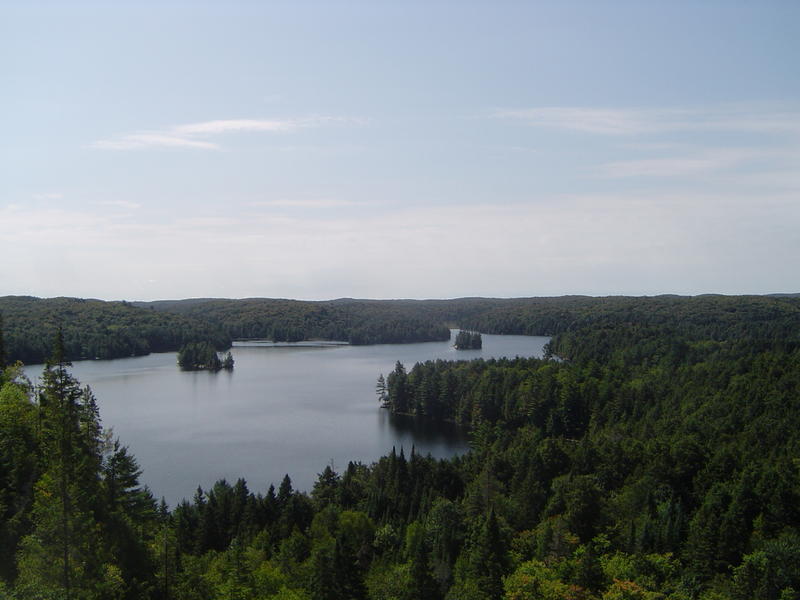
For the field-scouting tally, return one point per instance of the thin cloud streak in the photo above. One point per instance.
(234, 125)
(186, 135)
(305, 203)
(712, 160)
(119, 204)
(631, 121)
(587, 120)
(138, 141)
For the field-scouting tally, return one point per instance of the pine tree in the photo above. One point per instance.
(63, 552)
(380, 390)
(398, 392)
(128, 509)
(326, 487)
(284, 492)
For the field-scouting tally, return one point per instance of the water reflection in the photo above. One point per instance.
(423, 433)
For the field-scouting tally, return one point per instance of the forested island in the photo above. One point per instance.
(468, 340)
(202, 356)
(657, 458)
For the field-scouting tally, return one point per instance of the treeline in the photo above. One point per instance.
(712, 317)
(95, 329)
(354, 321)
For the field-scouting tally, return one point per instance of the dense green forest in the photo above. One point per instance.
(654, 454)
(347, 320)
(97, 329)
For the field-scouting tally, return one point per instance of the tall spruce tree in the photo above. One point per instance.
(63, 553)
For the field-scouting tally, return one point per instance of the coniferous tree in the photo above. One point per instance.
(326, 488)
(380, 390)
(63, 552)
(128, 508)
(285, 492)
(398, 389)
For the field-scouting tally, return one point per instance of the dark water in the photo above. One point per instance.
(282, 410)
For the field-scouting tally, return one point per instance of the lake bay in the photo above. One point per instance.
(284, 409)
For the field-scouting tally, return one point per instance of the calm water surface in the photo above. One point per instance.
(282, 410)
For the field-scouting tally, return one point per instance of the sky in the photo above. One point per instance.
(154, 150)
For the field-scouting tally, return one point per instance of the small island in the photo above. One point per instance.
(468, 340)
(202, 356)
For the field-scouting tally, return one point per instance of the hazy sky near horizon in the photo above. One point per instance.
(397, 149)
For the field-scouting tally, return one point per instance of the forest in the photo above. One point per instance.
(97, 329)
(652, 454)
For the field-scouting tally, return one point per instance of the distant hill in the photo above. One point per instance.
(99, 329)
(95, 329)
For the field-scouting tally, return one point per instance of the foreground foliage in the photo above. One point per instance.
(657, 457)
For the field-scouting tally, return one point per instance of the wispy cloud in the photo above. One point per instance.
(711, 160)
(48, 196)
(588, 120)
(305, 203)
(195, 135)
(137, 141)
(119, 204)
(633, 121)
(235, 125)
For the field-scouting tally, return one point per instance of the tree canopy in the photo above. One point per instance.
(652, 455)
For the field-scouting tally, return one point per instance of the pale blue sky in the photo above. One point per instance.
(385, 149)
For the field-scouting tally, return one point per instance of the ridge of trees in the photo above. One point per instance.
(95, 329)
(98, 329)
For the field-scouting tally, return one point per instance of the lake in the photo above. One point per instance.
(284, 409)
